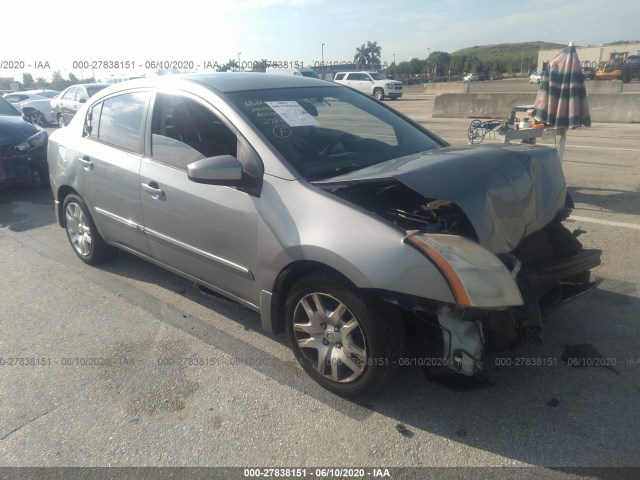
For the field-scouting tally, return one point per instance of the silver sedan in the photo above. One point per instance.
(341, 222)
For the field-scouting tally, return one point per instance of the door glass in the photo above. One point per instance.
(71, 93)
(121, 119)
(92, 121)
(184, 131)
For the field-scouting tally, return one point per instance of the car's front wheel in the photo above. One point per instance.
(37, 118)
(378, 94)
(61, 121)
(82, 233)
(347, 340)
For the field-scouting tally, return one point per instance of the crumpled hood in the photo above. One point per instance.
(14, 130)
(507, 192)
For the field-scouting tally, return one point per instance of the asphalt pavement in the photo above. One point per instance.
(129, 365)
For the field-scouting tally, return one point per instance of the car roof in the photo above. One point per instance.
(226, 82)
(34, 92)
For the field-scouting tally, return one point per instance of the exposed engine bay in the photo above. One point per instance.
(550, 267)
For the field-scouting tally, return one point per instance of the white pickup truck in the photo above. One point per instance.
(371, 83)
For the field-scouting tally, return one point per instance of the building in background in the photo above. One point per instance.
(591, 56)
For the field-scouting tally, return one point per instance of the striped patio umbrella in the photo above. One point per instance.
(562, 99)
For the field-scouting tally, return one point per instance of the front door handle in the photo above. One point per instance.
(86, 162)
(153, 189)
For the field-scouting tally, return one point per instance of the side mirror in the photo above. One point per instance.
(220, 170)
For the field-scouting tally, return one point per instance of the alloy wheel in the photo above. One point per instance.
(330, 337)
(78, 229)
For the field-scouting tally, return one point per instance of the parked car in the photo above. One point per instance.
(34, 104)
(22, 148)
(339, 221)
(631, 68)
(300, 71)
(65, 105)
(471, 77)
(535, 77)
(372, 83)
(496, 76)
(589, 73)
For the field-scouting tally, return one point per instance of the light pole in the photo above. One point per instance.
(239, 53)
(429, 62)
(395, 76)
(322, 61)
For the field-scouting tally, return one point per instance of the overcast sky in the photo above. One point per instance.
(294, 30)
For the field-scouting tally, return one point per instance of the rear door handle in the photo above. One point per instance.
(86, 162)
(153, 189)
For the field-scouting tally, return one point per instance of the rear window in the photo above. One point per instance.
(93, 89)
(48, 94)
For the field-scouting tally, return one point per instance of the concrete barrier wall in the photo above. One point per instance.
(446, 87)
(603, 86)
(484, 105)
(613, 108)
(622, 108)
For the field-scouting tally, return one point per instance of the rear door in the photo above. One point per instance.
(206, 231)
(361, 82)
(108, 164)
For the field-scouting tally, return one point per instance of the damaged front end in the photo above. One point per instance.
(496, 235)
(23, 160)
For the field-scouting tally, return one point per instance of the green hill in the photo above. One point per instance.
(509, 57)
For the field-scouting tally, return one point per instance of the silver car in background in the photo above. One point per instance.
(340, 221)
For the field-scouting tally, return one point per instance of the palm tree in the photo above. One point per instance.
(362, 56)
(374, 52)
(230, 65)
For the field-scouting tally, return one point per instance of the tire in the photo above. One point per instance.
(378, 94)
(360, 347)
(626, 76)
(82, 233)
(61, 121)
(37, 118)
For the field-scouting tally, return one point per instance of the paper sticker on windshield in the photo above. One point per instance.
(292, 113)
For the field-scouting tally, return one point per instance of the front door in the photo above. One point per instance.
(206, 231)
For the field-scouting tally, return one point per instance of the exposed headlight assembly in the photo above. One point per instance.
(476, 277)
(34, 141)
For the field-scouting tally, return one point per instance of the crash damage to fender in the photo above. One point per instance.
(510, 201)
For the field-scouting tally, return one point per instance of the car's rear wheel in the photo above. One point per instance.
(61, 121)
(82, 233)
(347, 340)
(378, 94)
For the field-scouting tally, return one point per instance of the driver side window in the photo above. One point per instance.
(184, 131)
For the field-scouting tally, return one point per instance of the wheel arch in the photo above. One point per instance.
(61, 194)
(284, 282)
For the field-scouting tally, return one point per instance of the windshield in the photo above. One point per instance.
(378, 76)
(309, 73)
(326, 131)
(7, 109)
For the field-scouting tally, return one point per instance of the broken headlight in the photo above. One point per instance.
(34, 141)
